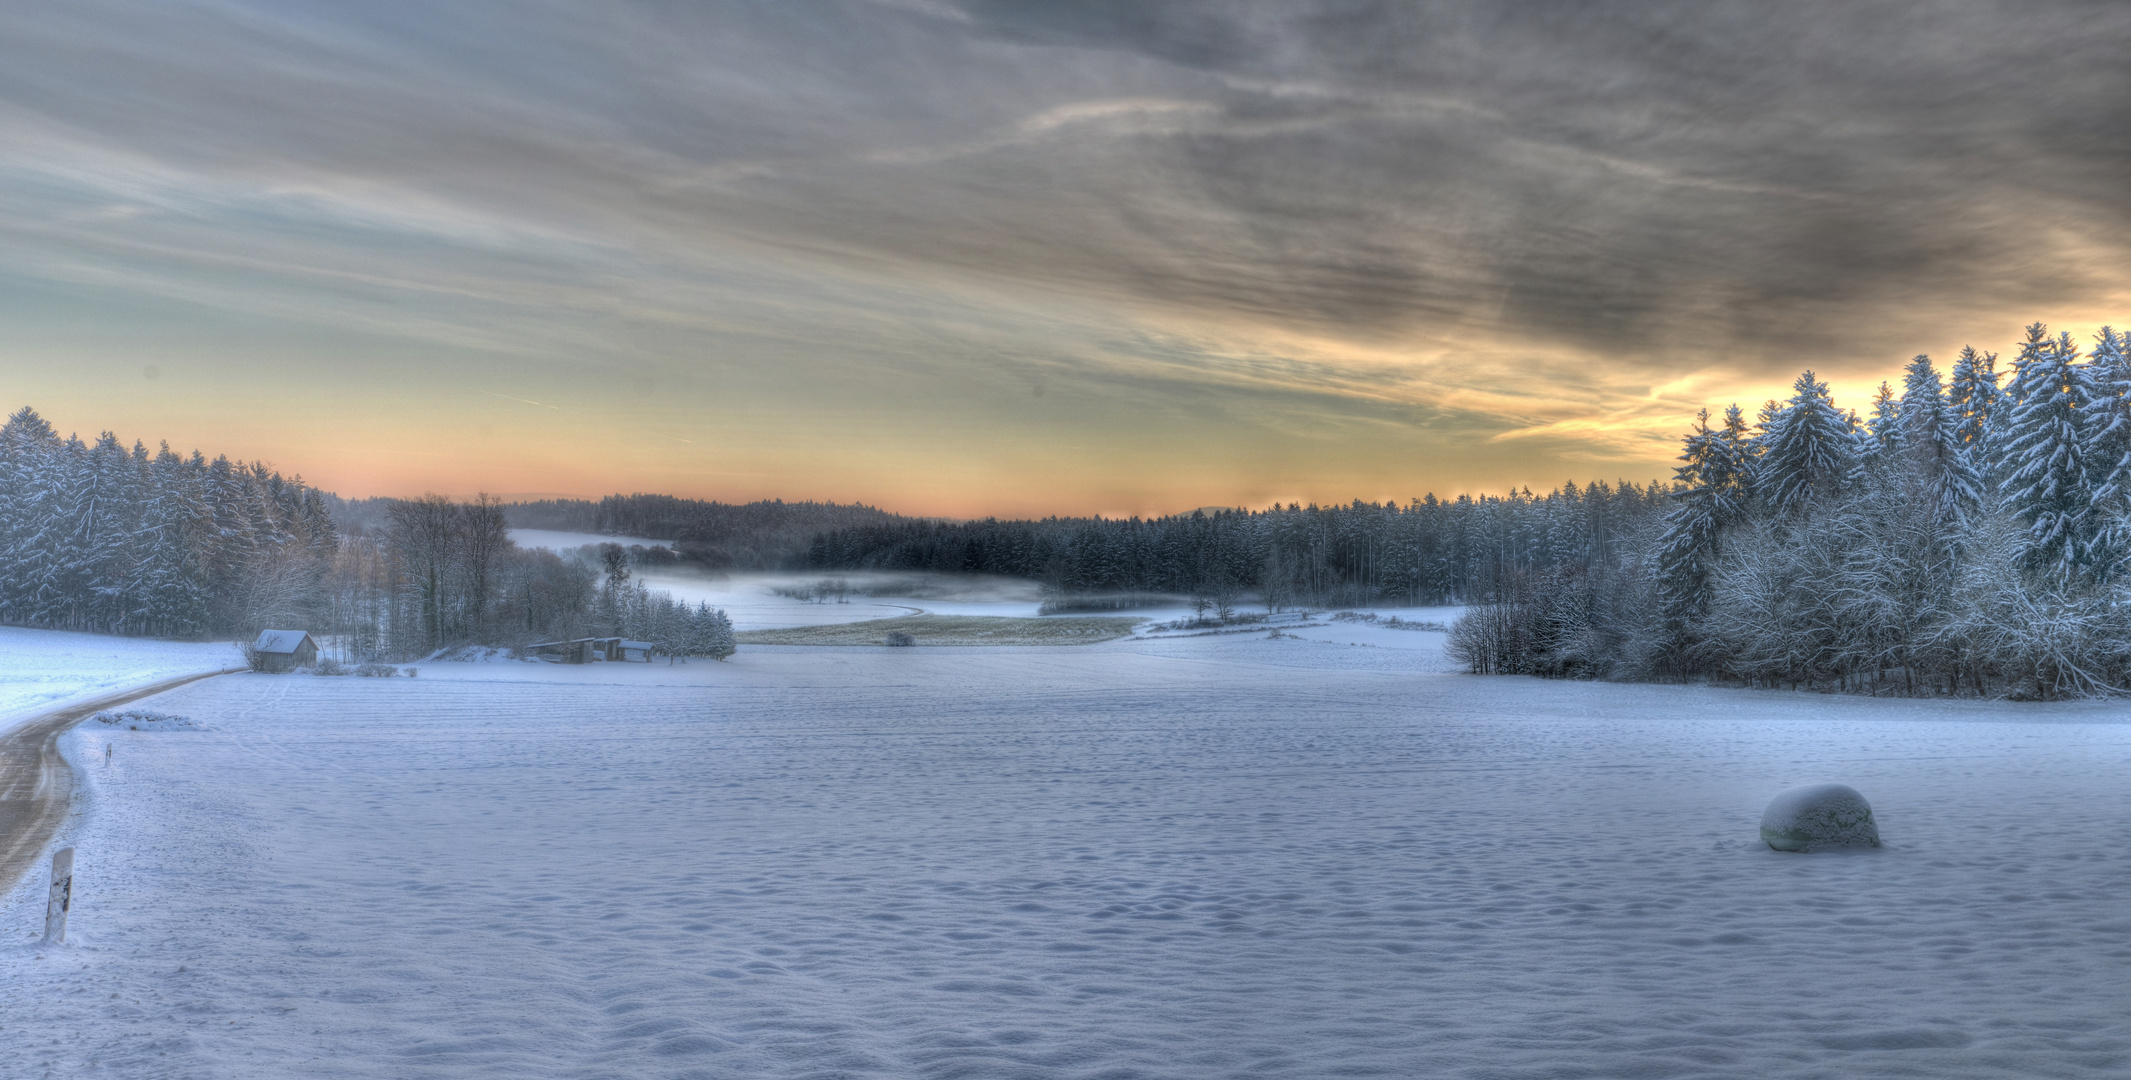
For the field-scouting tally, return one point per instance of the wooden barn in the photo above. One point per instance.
(591, 650)
(284, 650)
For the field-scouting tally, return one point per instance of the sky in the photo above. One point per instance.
(965, 257)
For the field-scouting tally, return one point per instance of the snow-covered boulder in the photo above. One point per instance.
(1817, 817)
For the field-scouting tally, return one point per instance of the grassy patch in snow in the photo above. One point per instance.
(949, 630)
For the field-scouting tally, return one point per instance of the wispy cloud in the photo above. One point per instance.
(1508, 237)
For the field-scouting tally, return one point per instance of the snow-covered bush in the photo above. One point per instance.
(1389, 622)
(899, 639)
(144, 720)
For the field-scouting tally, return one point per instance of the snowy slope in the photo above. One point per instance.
(41, 668)
(1186, 858)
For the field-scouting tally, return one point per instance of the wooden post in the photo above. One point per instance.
(61, 897)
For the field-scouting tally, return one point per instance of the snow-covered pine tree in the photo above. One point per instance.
(102, 537)
(708, 632)
(1932, 447)
(168, 587)
(720, 642)
(1712, 480)
(231, 547)
(27, 448)
(56, 593)
(1565, 542)
(1808, 449)
(2047, 482)
(2108, 451)
(1882, 441)
(1975, 397)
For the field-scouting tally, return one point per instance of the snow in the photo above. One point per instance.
(1193, 857)
(43, 668)
(1819, 817)
(752, 602)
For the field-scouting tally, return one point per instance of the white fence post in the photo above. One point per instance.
(61, 897)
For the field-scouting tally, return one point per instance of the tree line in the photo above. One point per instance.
(99, 536)
(1428, 551)
(1963, 537)
(105, 537)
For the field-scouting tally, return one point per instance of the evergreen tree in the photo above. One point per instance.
(2047, 483)
(1975, 398)
(718, 634)
(56, 543)
(1711, 486)
(1883, 435)
(2108, 450)
(1807, 450)
(27, 447)
(168, 587)
(1935, 456)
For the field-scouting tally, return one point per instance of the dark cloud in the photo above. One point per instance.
(1634, 175)
(1663, 180)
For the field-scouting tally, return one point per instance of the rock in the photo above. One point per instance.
(1818, 817)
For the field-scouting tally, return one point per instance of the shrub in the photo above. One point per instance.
(898, 638)
(134, 718)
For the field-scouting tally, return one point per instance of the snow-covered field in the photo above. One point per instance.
(43, 668)
(1197, 857)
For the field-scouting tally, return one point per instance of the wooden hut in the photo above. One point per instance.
(283, 650)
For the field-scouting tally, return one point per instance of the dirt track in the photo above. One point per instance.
(35, 783)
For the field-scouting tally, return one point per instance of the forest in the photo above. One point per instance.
(1963, 538)
(1429, 551)
(103, 537)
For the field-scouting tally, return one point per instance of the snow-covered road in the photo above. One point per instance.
(36, 780)
(1199, 857)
